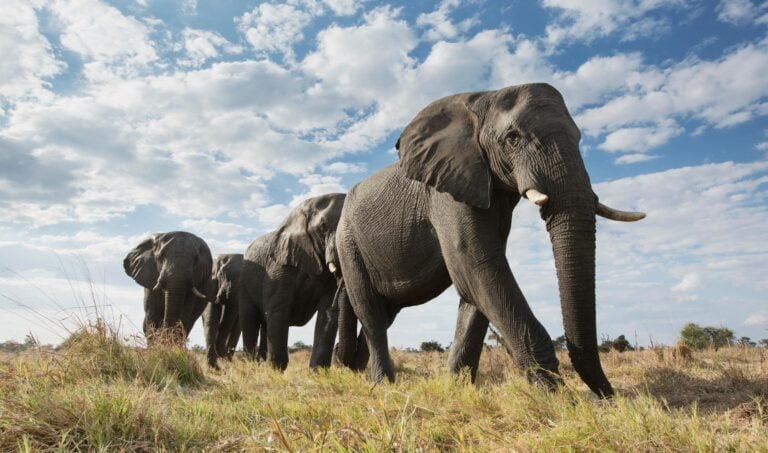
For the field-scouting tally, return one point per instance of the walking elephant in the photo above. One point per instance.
(175, 270)
(221, 318)
(442, 214)
(288, 276)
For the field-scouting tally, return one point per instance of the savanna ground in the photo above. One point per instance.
(96, 393)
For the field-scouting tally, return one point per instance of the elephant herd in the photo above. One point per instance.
(441, 216)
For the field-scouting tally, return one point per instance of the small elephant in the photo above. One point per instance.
(442, 214)
(221, 318)
(175, 270)
(288, 276)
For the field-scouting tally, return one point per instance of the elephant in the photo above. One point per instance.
(221, 318)
(175, 270)
(442, 214)
(290, 274)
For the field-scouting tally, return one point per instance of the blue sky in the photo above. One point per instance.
(120, 119)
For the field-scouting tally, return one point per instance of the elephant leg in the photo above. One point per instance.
(369, 307)
(263, 342)
(277, 342)
(234, 337)
(228, 326)
(211, 317)
(250, 323)
(326, 324)
(467, 346)
(500, 300)
(154, 311)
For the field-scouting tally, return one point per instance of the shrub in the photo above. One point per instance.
(697, 337)
(430, 346)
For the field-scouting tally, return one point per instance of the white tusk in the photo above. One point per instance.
(332, 268)
(198, 293)
(536, 197)
(614, 214)
(157, 286)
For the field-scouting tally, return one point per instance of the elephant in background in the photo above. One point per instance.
(288, 276)
(442, 215)
(221, 318)
(175, 270)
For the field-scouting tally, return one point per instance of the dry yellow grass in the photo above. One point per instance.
(102, 395)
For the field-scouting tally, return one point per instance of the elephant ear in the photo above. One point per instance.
(140, 264)
(440, 148)
(203, 264)
(294, 245)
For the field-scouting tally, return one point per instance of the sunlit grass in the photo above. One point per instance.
(97, 393)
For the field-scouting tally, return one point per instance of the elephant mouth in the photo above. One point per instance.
(540, 199)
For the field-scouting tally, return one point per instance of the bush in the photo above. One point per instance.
(430, 346)
(697, 337)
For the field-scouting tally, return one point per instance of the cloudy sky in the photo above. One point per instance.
(128, 117)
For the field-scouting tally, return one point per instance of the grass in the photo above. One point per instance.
(98, 394)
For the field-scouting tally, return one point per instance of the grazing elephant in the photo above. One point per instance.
(443, 213)
(287, 276)
(175, 270)
(221, 318)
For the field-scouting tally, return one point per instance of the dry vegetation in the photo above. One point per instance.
(98, 394)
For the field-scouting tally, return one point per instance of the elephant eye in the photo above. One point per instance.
(512, 138)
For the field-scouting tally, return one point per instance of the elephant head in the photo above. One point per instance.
(523, 140)
(306, 238)
(178, 264)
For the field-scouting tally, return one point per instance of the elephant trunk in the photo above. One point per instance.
(570, 217)
(175, 297)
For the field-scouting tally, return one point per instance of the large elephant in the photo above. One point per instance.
(221, 318)
(175, 270)
(443, 213)
(288, 276)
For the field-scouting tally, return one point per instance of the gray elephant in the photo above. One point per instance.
(221, 318)
(288, 276)
(442, 215)
(175, 270)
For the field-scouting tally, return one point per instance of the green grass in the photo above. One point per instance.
(97, 394)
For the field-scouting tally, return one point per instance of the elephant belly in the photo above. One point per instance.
(398, 244)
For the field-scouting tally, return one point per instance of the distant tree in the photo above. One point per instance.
(697, 337)
(746, 342)
(621, 344)
(430, 346)
(606, 345)
(763, 343)
(299, 346)
(559, 343)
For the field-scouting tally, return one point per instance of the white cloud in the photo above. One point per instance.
(634, 158)
(202, 45)
(720, 93)
(756, 319)
(640, 138)
(344, 62)
(689, 282)
(590, 20)
(440, 26)
(740, 12)
(341, 168)
(107, 40)
(274, 27)
(28, 59)
(203, 227)
(344, 7)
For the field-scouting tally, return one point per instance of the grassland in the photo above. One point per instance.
(98, 394)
